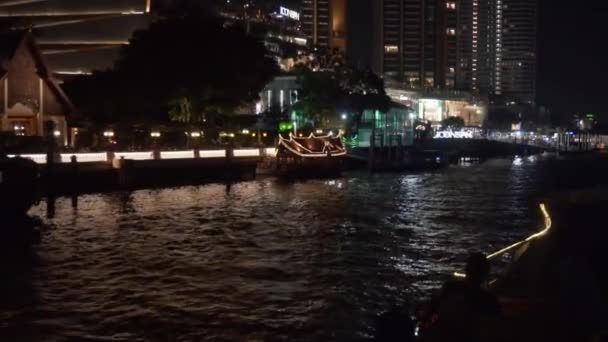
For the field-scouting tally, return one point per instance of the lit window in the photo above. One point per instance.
(391, 48)
(451, 31)
(450, 5)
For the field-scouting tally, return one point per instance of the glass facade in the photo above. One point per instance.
(393, 128)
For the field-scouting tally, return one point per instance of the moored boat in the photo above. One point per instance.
(312, 156)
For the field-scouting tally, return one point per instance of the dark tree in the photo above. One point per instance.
(338, 87)
(453, 122)
(186, 67)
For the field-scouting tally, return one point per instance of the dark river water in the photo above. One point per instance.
(267, 260)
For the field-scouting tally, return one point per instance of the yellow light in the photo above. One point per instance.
(253, 134)
(155, 134)
(265, 134)
(245, 131)
(195, 134)
(548, 225)
(57, 133)
(148, 6)
(319, 131)
(108, 134)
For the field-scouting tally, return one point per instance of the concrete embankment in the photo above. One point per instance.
(136, 174)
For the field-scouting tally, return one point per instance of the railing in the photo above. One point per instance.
(177, 155)
(38, 158)
(545, 231)
(150, 155)
(133, 155)
(82, 157)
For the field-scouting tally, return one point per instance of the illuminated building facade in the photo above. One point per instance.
(416, 42)
(484, 46)
(78, 36)
(324, 22)
(29, 96)
(514, 67)
(503, 48)
(438, 105)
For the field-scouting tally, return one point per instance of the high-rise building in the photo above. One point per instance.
(501, 58)
(514, 67)
(416, 42)
(485, 46)
(324, 23)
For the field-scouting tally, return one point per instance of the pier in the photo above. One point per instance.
(75, 173)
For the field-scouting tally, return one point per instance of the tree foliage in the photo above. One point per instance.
(330, 85)
(185, 66)
(453, 122)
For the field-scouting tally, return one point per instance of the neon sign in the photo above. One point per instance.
(453, 135)
(289, 13)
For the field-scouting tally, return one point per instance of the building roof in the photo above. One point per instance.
(10, 42)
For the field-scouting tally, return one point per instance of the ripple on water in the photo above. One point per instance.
(316, 260)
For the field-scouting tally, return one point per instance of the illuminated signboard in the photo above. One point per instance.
(289, 13)
(454, 135)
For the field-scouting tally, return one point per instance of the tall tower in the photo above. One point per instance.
(503, 48)
(325, 23)
(514, 72)
(416, 41)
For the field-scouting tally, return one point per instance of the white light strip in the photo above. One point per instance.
(247, 153)
(134, 155)
(38, 158)
(177, 155)
(271, 152)
(212, 154)
(85, 157)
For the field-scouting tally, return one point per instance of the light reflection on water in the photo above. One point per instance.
(264, 260)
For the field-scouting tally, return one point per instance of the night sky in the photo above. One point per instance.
(572, 56)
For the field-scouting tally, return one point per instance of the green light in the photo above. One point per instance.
(589, 116)
(285, 126)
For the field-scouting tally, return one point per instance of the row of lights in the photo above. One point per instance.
(20, 131)
(156, 134)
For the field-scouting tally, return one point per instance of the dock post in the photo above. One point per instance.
(229, 158)
(124, 166)
(156, 154)
(75, 181)
(372, 152)
(49, 129)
